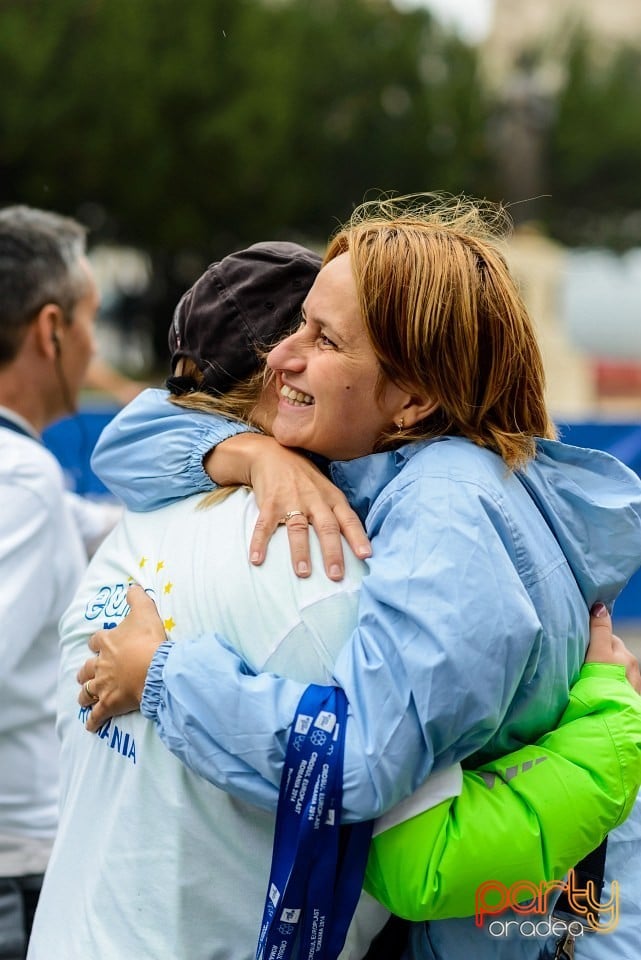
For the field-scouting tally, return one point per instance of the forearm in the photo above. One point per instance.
(230, 462)
(197, 690)
(519, 818)
(151, 453)
(210, 711)
(197, 711)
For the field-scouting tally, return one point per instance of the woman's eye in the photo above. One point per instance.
(325, 341)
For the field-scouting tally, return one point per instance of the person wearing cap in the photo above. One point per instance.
(151, 861)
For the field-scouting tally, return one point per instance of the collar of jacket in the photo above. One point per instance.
(362, 479)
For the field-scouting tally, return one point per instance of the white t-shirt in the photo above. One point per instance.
(152, 862)
(41, 562)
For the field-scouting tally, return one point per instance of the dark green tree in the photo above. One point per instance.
(188, 127)
(595, 147)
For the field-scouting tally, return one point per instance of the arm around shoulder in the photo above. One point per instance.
(151, 453)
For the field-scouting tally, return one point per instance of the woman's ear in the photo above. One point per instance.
(415, 410)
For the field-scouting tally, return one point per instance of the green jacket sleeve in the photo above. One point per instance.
(531, 815)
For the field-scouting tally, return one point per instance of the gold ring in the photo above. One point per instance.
(289, 515)
(92, 696)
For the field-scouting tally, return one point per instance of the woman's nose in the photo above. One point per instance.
(285, 355)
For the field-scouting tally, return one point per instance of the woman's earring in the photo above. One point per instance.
(401, 424)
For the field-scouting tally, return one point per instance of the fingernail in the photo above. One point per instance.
(301, 567)
(335, 572)
(599, 610)
(255, 557)
(364, 551)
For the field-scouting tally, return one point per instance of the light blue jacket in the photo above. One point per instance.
(473, 616)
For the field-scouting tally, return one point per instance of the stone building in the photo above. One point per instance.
(518, 25)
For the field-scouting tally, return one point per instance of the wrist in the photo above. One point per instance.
(231, 461)
(153, 687)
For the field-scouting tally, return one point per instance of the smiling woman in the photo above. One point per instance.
(417, 365)
(329, 379)
(413, 329)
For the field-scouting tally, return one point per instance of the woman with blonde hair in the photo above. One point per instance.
(416, 373)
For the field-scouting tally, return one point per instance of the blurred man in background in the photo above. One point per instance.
(48, 302)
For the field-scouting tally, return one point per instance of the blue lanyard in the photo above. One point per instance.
(317, 866)
(10, 425)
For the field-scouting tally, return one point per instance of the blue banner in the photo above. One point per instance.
(622, 440)
(72, 441)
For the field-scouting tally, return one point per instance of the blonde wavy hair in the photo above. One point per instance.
(446, 320)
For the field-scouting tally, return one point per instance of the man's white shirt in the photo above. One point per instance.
(42, 559)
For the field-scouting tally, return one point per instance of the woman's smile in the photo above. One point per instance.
(295, 397)
(328, 377)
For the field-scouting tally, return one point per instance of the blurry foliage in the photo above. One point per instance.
(190, 127)
(594, 159)
(209, 122)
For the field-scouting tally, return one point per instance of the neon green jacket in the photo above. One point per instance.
(534, 824)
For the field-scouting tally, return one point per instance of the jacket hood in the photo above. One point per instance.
(589, 499)
(592, 503)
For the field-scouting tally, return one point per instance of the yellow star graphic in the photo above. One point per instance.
(143, 561)
(169, 624)
(160, 565)
(168, 587)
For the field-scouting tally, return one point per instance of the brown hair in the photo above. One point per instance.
(446, 321)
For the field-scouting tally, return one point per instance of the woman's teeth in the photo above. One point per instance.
(296, 397)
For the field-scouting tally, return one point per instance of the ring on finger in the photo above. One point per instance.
(290, 515)
(92, 696)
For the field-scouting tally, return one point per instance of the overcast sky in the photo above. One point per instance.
(471, 17)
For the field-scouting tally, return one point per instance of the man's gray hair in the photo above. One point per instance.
(40, 254)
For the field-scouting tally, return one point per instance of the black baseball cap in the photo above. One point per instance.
(240, 306)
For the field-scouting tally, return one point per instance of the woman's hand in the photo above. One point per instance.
(116, 675)
(605, 647)
(288, 485)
